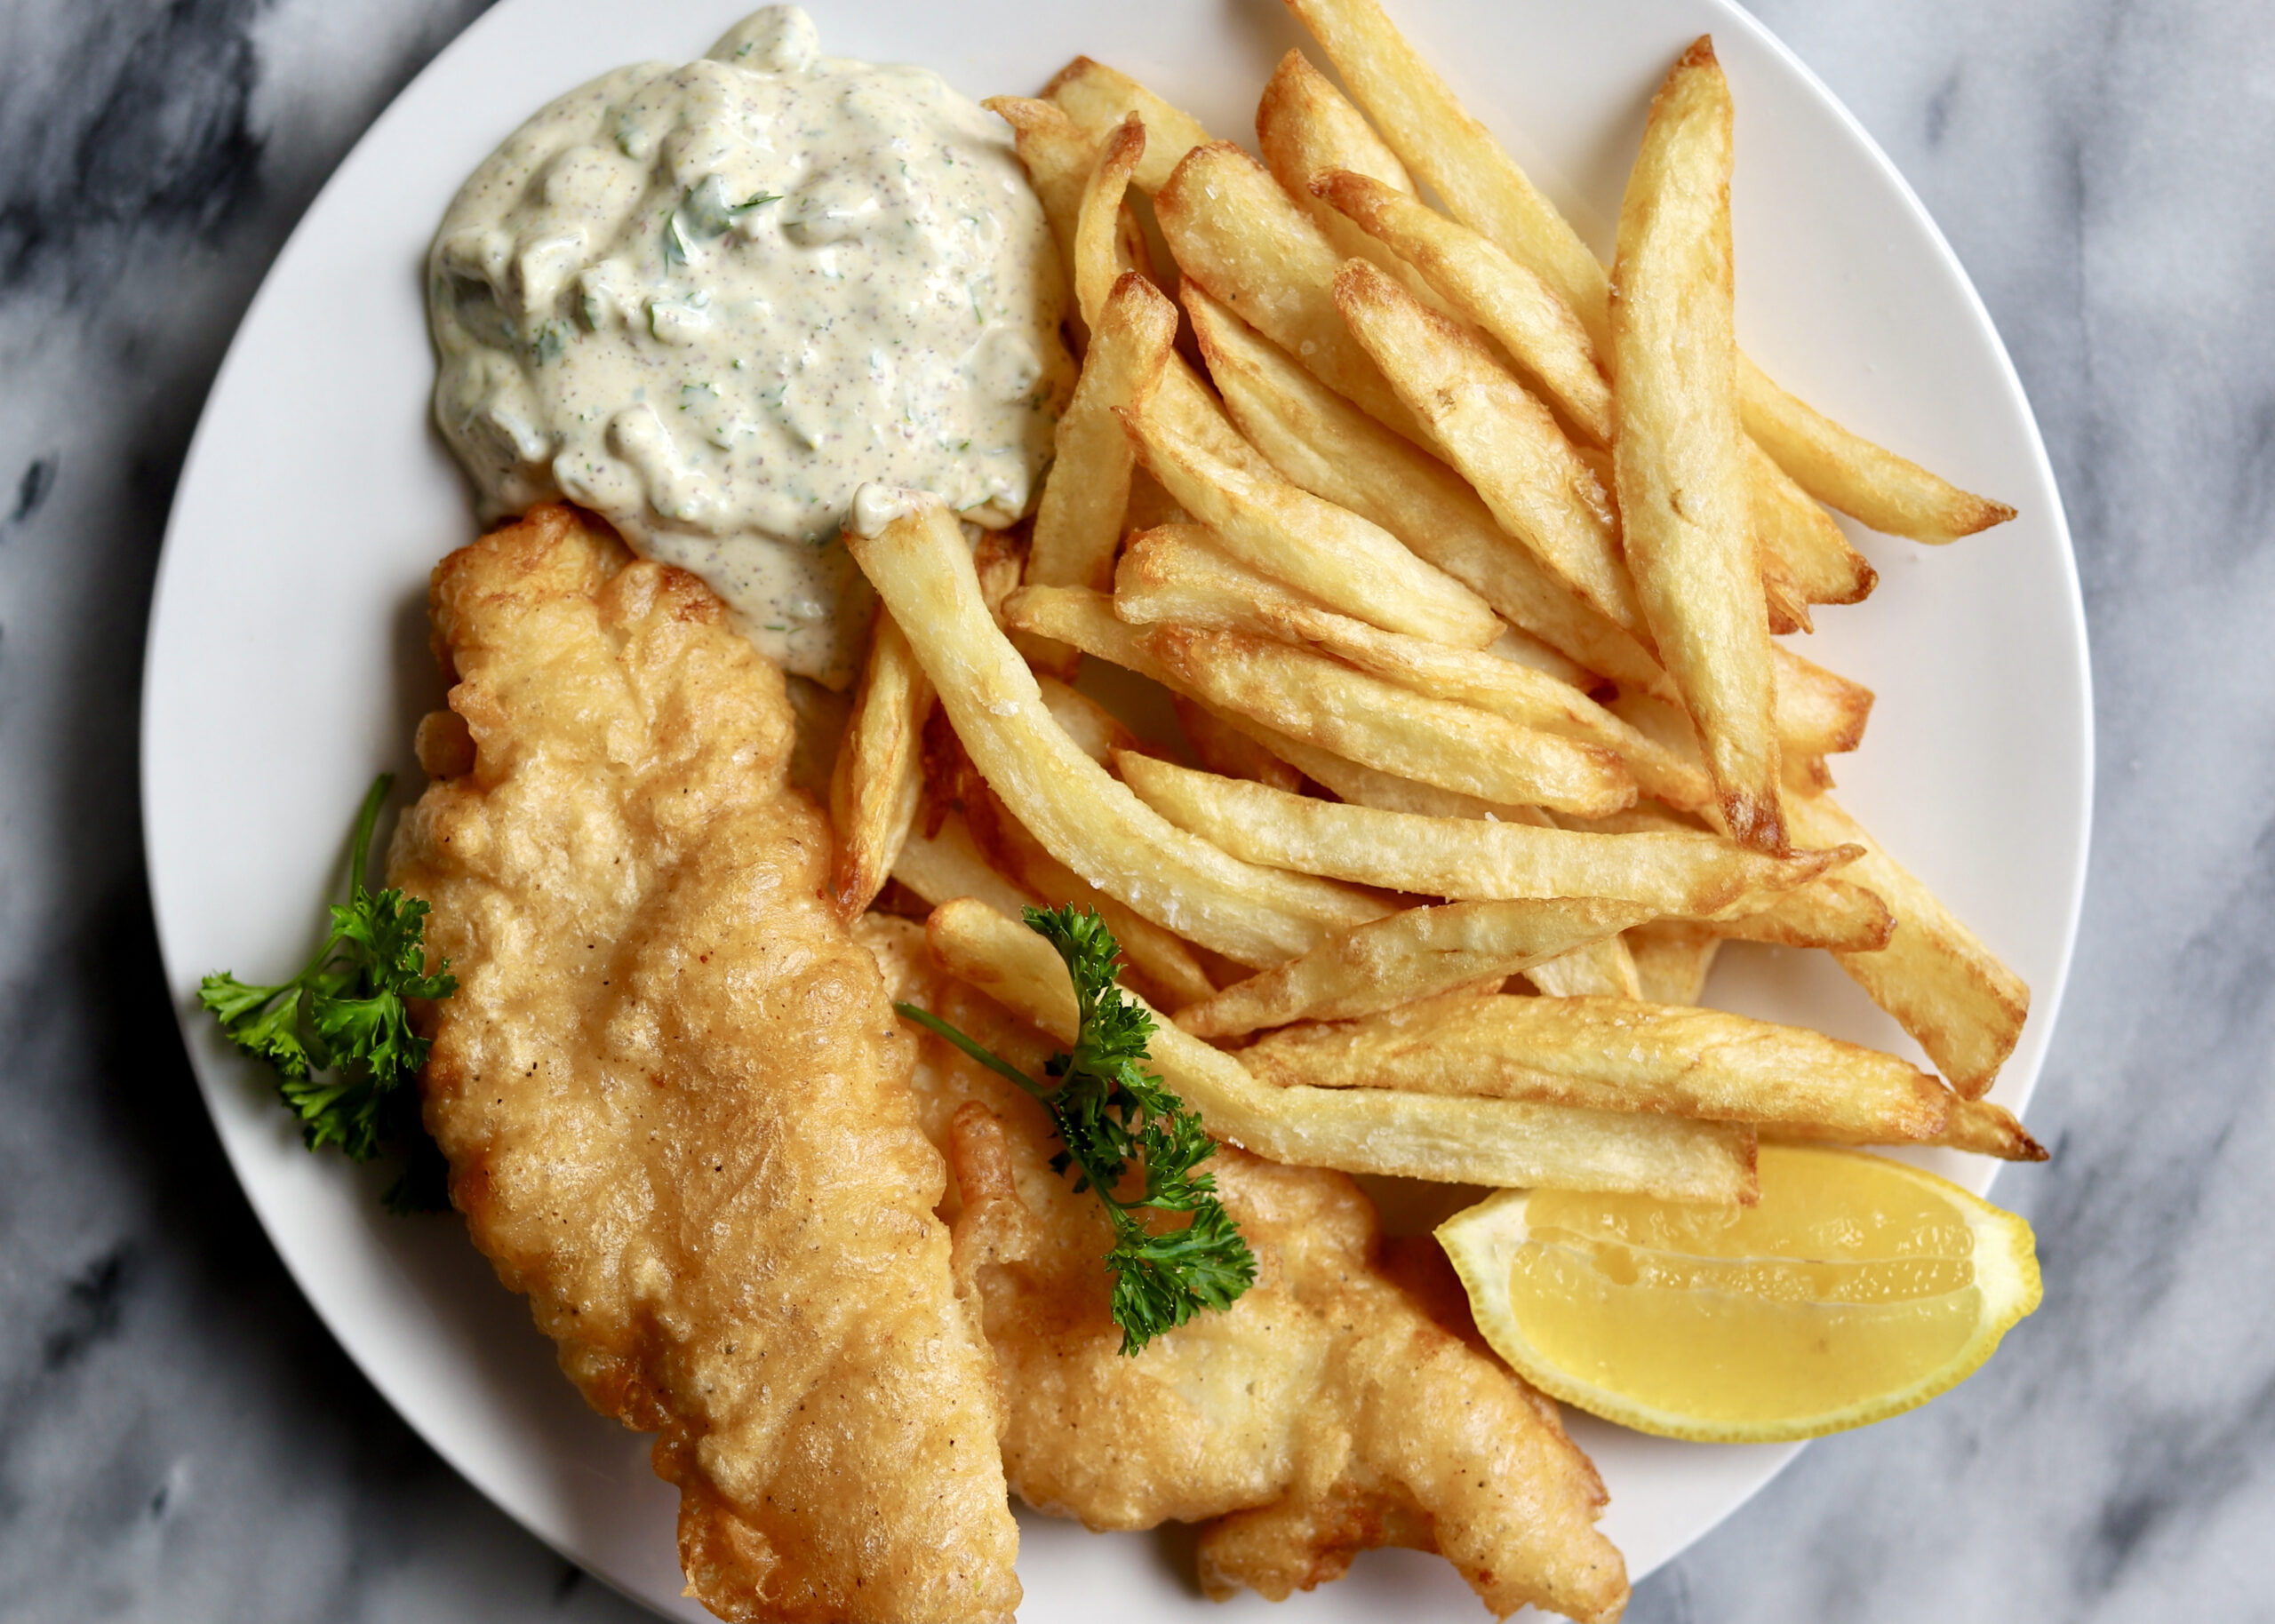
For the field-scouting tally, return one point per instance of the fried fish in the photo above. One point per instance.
(674, 1100)
(1325, 1413)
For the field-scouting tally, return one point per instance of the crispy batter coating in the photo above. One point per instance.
(1325, 1413)
(674, 1099)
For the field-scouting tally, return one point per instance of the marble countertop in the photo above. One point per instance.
(180, 1440)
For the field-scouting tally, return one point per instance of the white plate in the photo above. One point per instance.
(287, 657)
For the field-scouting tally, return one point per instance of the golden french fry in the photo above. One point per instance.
(1321, 441)
(1786, 609)
(1222, 748)
(1938, 980)
(1303, 125)
(1682, 475)
(1097, 257)
(1107, 241)
(1453, 153)
(1799, 538)
(1176, 576)
(873, 791)
(1614, 1054)
(1413, 953)
(1975, 1124)
(1458, 159)
(1325, 703)
(1599, 969)
(1496, 1142)
(1097, 98)
(1285, 531)
(1235, 233)
(919, 566)
(1695, 876)
(1366, 786)
(1078, 524)
(1817, 713)
(1485, 286)
(1086, 620)
(1165, 966)
(1844, 470)
(1095, 730)
(1672, 958)
(1503, 442)
(1838, 915)
(1057, 157)
(949, 863)
(1150, 505)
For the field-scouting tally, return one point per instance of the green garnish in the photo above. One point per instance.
(1109, 1112)
(338, 1033)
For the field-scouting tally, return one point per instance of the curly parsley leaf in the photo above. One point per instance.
(338, 1034)
(1112, 1115)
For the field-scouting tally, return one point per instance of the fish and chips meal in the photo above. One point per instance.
(1050, 703)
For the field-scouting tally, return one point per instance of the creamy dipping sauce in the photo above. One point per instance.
(710, 302)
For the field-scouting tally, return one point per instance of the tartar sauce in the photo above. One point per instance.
(710, 302)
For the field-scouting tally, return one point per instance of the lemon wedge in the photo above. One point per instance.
(1855, 1288)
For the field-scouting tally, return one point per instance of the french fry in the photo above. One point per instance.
(1175, 576)
(1599, 969)
(1673, 959)
(1817, 712)
(1843, 470)
(948, 863)
(1800, 538)
(1496, 1142)
(1614, 1054)
(1682, 487)
(1832, 913)
(1322, 702)
(1413, 953)
(1503, 442)
(1321, 441)
(1453, 153)
(1303, 125)
(872, 791)
(1107, 241)
(998, 558)
(1097, 259)
(1486, 287)
(1057, 157)
(1975, 1124)
(1285, 531)
(1938, 980)
(1097, 98)
(1078, 524)
(1694, 876)
(1366, 786)
(1458, 159)
(1095, 730)
(920, 567)
(1838, 915)
(1222, 748)
(1166, 967)
(1251, 246)
(1086, 619)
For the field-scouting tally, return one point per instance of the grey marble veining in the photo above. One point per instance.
(180, 1440)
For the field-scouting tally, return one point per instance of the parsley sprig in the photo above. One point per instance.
(1111, 1114)
(338, 1033)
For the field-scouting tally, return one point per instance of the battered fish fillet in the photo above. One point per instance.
(674, 1099)
(1324, 1413)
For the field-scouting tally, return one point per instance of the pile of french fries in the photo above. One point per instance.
(1461, 559)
